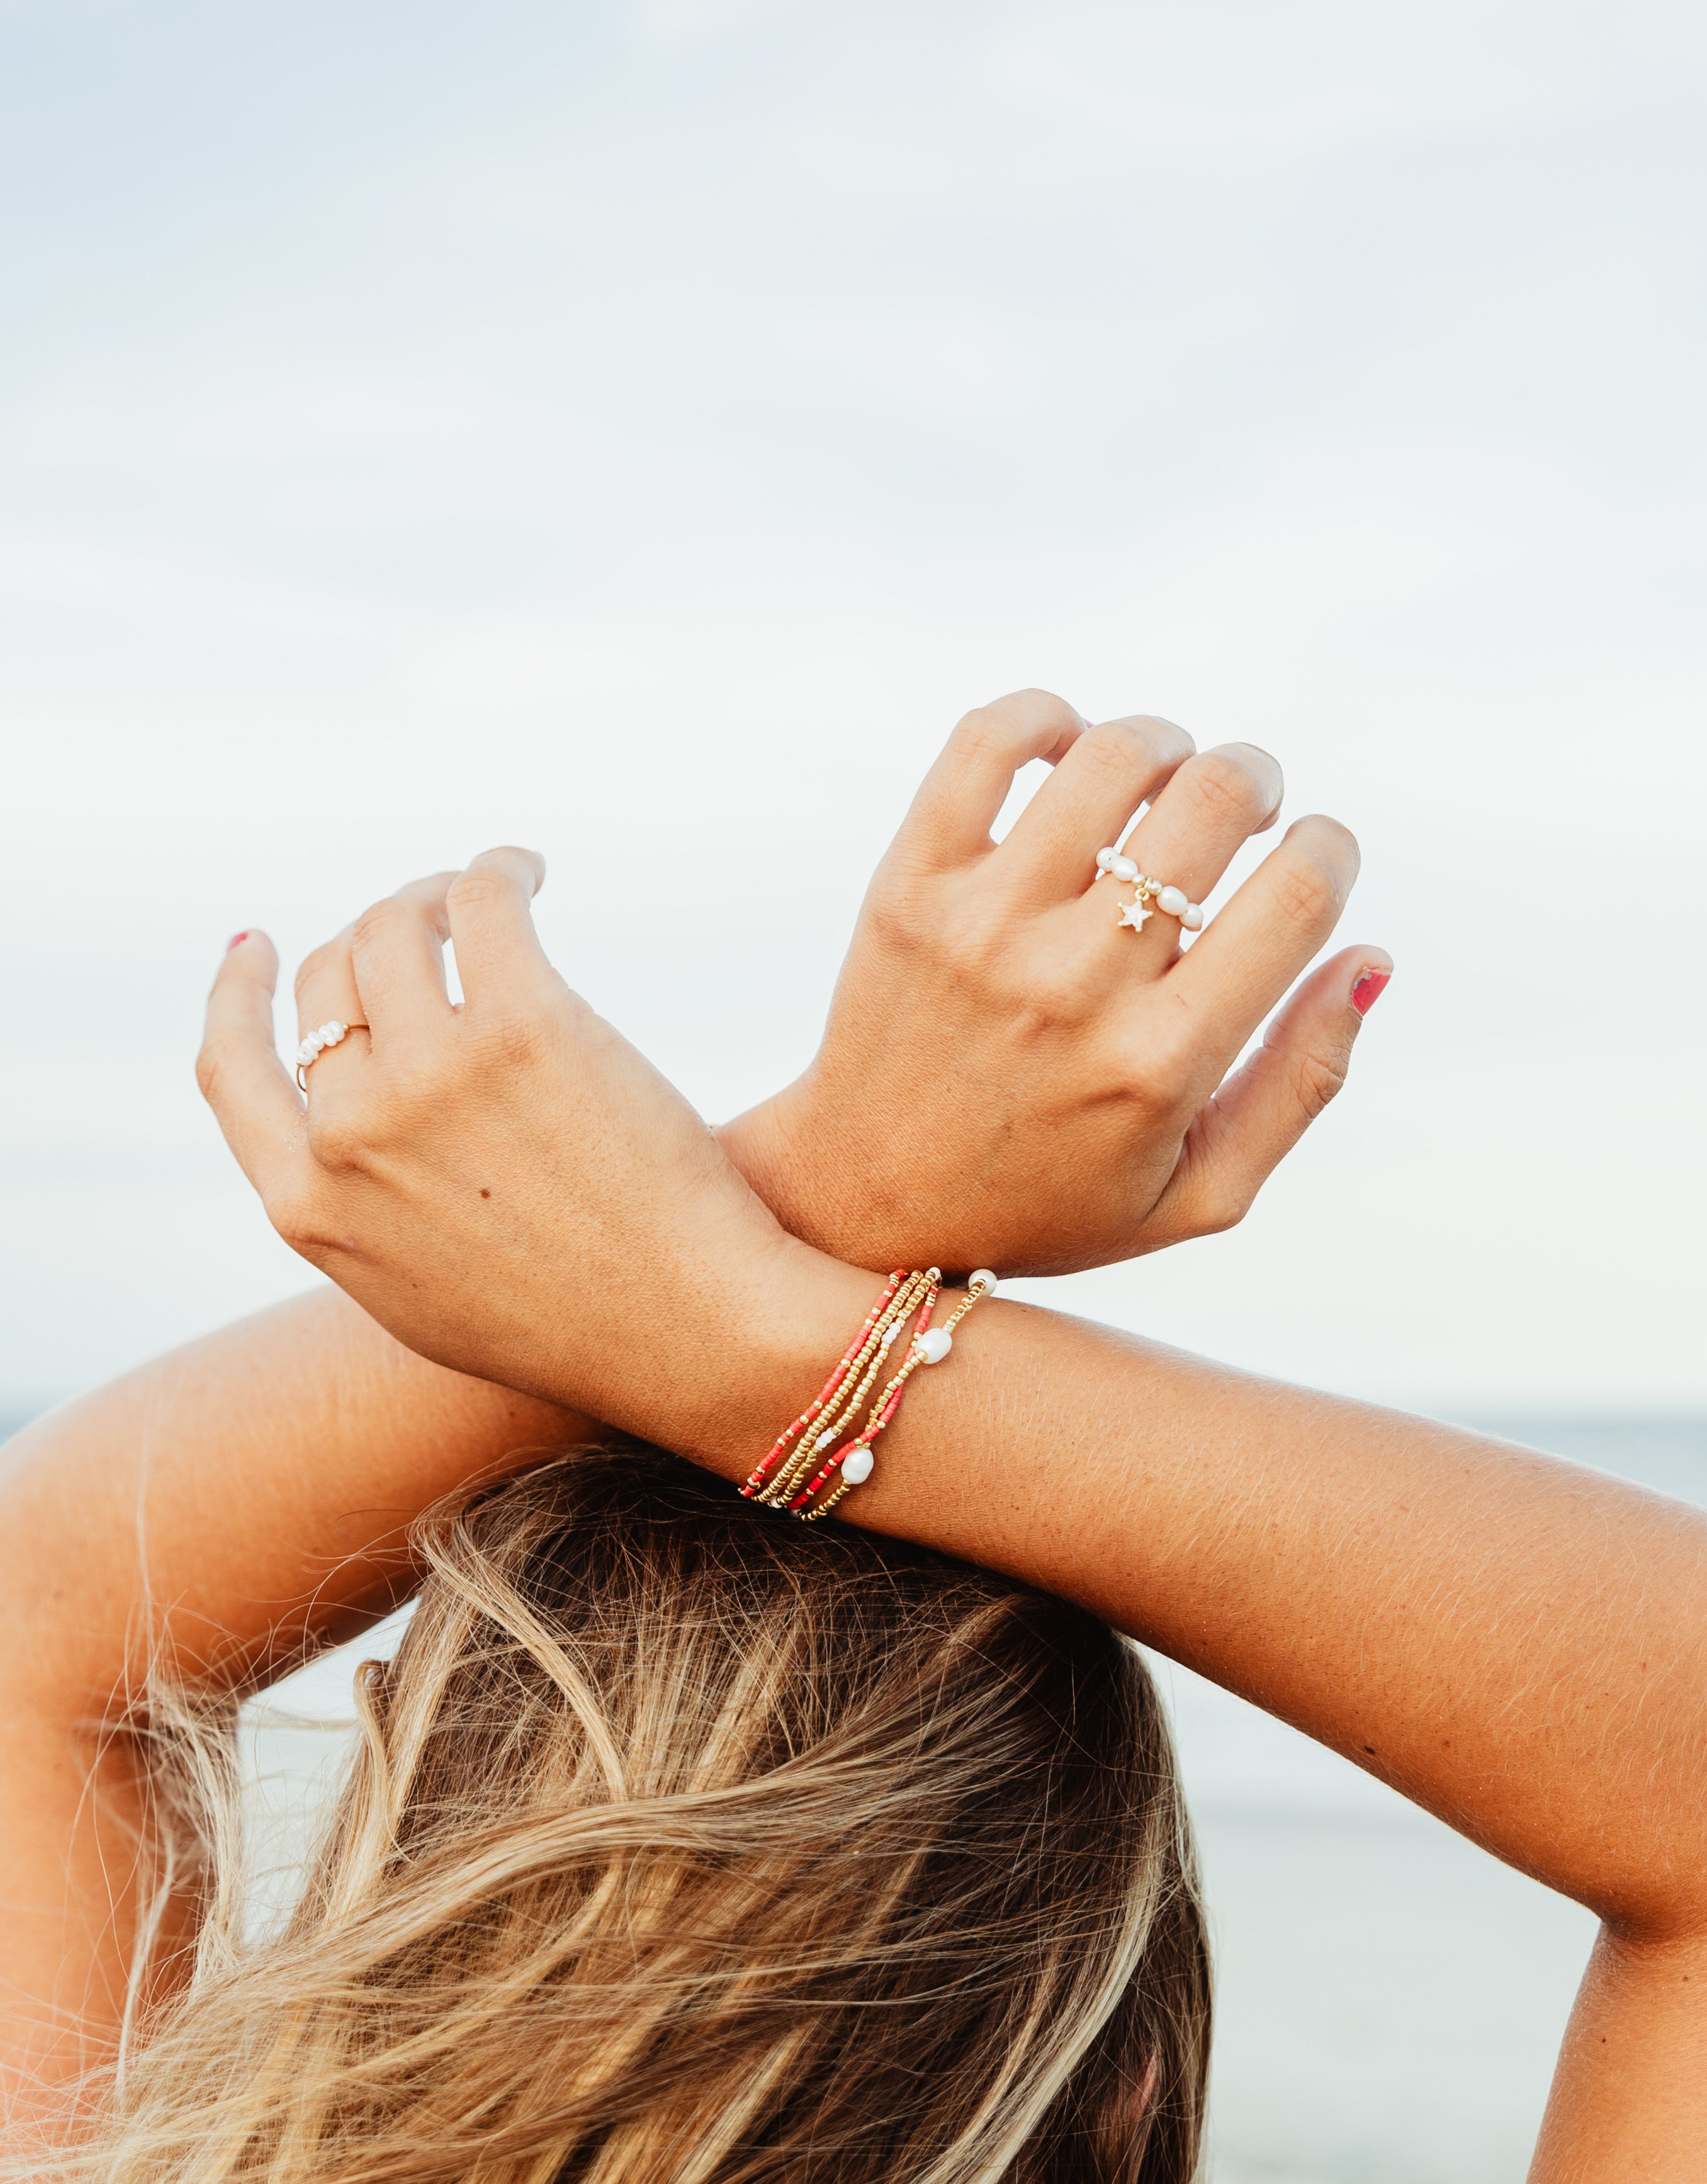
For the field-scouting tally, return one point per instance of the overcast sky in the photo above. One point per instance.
(640, 430)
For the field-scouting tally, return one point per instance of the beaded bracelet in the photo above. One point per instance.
(780, 1480)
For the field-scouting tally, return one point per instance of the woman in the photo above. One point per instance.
(510, 1189)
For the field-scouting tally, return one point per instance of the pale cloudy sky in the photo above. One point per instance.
(640, 430)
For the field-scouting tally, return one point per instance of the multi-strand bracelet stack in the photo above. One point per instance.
(792, 1476)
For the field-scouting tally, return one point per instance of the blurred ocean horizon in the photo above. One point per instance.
(1390, 1998)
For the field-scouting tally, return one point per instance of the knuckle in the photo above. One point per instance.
(210, 1062)
(1168, 742)
(1306, 894)
(1118, 751)
(1226, 784)
(1332, 843)
(1219, 1189)
(1043, 709)
(296, 1215)
(318, 960)
(967, 949)
(979, 734)
(1316, 1080)
(893, 919)
(1147, 1082)
(1009, 724)
(1220, 1206)
(508, 1040)
(370, 929)
(1057, 999)
(338, 1143)
(480, 887)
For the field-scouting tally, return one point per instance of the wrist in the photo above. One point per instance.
(761, 1145)
(753, 1350)
(801, 1172)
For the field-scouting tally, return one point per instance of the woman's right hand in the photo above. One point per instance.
(506, 1185)
(1008, 1078)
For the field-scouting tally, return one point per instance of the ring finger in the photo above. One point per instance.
(1192, 832)
(326, 996)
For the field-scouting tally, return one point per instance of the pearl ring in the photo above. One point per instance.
(316, 1044)
(1172, 900)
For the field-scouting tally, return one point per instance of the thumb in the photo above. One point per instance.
(1257, 1116)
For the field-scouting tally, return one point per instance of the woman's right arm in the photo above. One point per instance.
(1518, 1644)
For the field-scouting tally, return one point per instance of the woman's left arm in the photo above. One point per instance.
(234, 1505)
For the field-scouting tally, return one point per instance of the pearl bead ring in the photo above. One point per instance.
(316, 1044)
(1172, 900)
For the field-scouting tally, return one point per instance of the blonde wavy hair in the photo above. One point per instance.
(687, 1845)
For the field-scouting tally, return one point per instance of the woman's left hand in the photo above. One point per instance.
(1010, 1076)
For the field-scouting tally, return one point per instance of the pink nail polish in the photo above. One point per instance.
(235, 940)
(1369, 990)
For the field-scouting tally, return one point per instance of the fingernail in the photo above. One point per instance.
(235, 940)
(1369, 990)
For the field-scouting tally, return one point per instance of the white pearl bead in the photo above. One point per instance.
(1175, 900)
(1124, 869)
(983, 1277)
(856, 1469)
(1105, 858)
(934, 1344)
(824, 1440)
(1192, 918)
(892, 1333)
(329, 1034)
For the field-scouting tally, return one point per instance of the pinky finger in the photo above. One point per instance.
(1257, 1116)
(255, 1102)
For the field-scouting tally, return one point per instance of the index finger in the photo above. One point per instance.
(1251, 951)
(950, 818)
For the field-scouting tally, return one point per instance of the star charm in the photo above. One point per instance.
(1135, 913)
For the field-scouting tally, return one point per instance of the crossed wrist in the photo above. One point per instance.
(757, 1361)
(740, 1353)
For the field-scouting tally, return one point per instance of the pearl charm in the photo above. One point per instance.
(800, 1473)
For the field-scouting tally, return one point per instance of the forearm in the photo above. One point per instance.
(232, 1504)
(1517, 1644)
(236, 1500)
(1508, 1640)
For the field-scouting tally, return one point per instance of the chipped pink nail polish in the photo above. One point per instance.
(236, 941)
(1369, 990)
